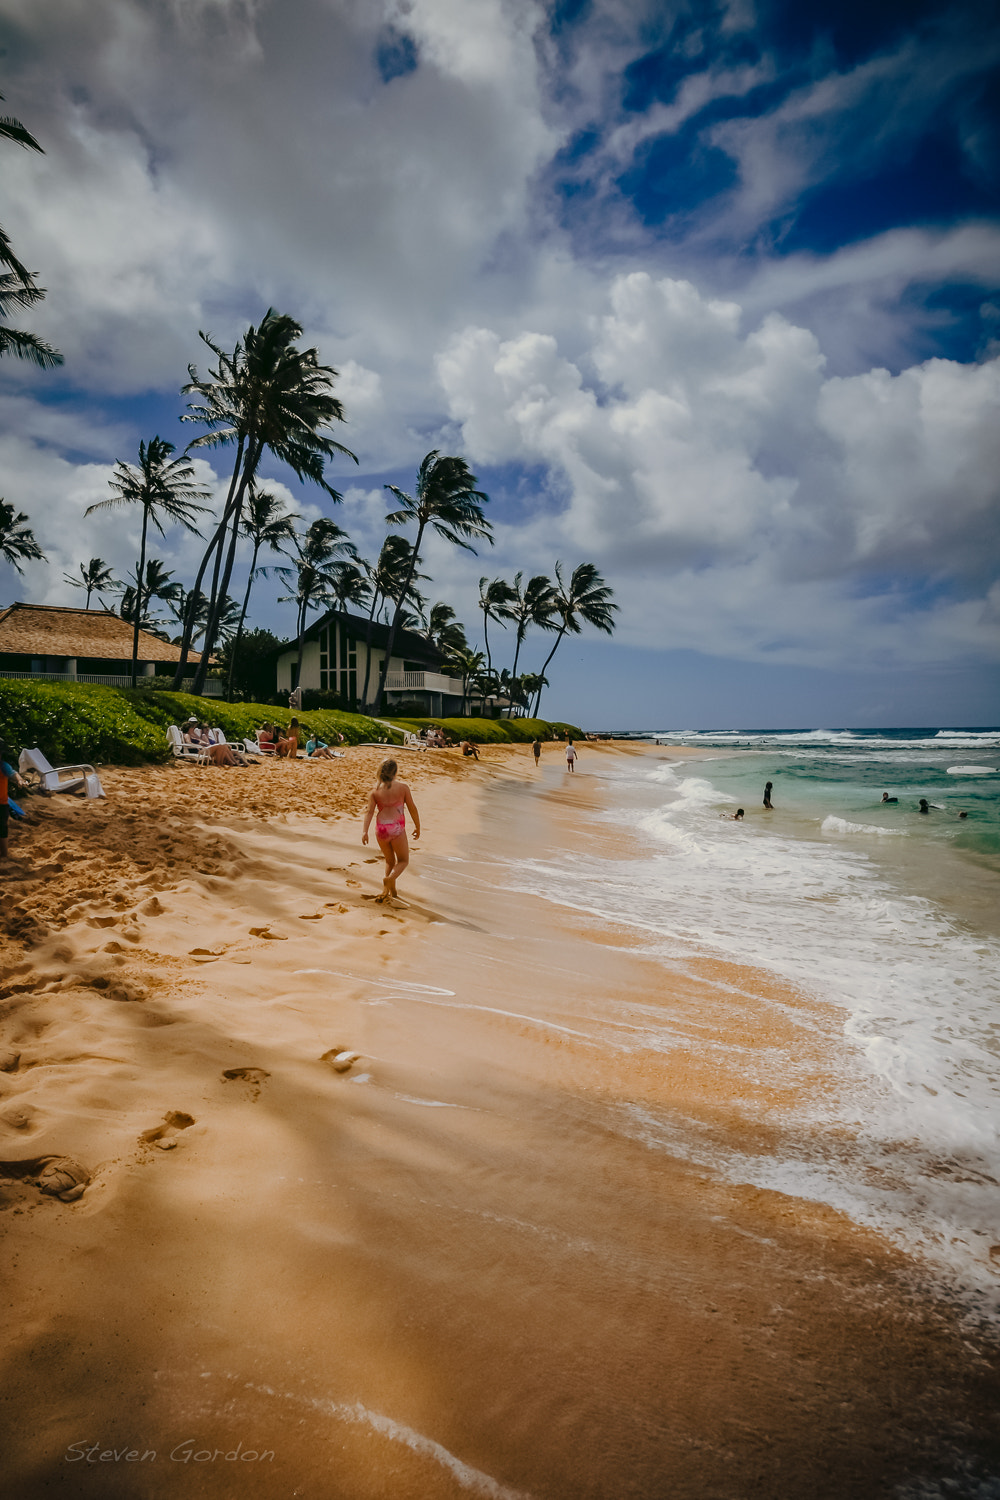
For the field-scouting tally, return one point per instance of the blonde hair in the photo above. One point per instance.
(387, 772)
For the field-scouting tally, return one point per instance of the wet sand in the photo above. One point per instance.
(461, 1266)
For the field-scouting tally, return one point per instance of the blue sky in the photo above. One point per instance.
(708, 294)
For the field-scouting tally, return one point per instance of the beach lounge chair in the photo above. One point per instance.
(191, 753)
(50, 777)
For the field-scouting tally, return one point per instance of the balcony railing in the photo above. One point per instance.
(212, 689)
(434, 682)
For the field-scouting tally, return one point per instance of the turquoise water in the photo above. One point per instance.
(890, 915)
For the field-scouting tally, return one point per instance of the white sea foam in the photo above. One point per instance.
(473, 1480)
(972, 771)
(833, 824)
(918, 990)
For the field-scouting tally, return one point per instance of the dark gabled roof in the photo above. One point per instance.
(51, 630)
(408, 645)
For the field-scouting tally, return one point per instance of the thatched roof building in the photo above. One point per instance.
(48, 640)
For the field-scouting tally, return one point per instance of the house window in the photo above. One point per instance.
(324, 659)
(348, 667)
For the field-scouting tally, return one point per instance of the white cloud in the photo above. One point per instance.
(738, 496)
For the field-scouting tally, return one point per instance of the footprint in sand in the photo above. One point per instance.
(165, 1135)
(312, 916)
(206, 955)
(265, 932)
(340, 1060)
(58, 1176)
(254, 1077)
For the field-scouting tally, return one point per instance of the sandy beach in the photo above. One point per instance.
(438, 1272)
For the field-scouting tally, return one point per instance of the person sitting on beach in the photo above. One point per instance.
(288, 744)
(192, 734)
(267, 738)
(570, 755)
(887, 798)
(387, 805)
(468, 748)
(767, 795)
(318, 749)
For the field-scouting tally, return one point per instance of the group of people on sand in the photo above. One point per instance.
(271, 740)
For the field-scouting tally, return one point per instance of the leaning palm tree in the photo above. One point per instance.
(533, 605)
(97, 577)
(17, 540)
(267, 394)
(165, 488)
(17, 283)
(587, 598)
(444, 630)
(495, 600)
(447, 502)
(320, 556)
(386, 580)
(267, 524)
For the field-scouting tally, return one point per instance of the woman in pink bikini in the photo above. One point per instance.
(387, 805)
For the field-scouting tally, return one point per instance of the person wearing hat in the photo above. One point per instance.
(192, 734)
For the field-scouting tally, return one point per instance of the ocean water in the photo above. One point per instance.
(890, 915)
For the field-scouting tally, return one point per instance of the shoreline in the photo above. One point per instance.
(456, 1275)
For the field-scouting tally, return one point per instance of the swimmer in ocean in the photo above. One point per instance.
(887, 798)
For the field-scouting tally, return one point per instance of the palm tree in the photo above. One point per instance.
(96, 577)
(447, 502)
(469, 663)
(17, 540)
(495, 600)
(320, 556)
(163, 487)
(532, 682)
(267, 524)
(535, 605)
(386, 579)
(156, 584)
(588, 598)
(267, 394)
(445, 631)
(17, 283)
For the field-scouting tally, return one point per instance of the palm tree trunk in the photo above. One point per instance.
(302, 642)
(89, 592)
(513, 671)
(551, 654)
(239, 628)
(216, 541)
(394, 627)
(221, 586)
(486, 638)
(368, 649)
(138, 595)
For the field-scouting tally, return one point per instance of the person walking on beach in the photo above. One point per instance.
(536, 750)
(767, 796)
(387, 805)
(570, 755)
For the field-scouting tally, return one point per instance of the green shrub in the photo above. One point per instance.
(73, 722)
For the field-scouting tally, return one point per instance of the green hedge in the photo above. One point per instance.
(73, 722)
(495, 731)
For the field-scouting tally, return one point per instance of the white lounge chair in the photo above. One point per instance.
(182, 751)
(51, 776)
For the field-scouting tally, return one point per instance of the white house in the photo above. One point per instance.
(335, 655)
